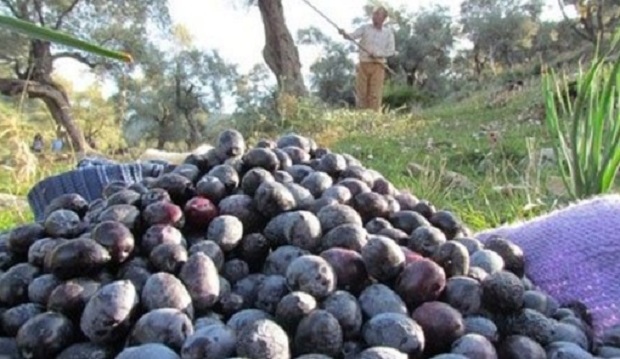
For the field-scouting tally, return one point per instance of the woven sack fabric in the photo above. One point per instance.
(88, 180)
(573, 254)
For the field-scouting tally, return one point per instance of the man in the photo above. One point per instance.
(370, 72)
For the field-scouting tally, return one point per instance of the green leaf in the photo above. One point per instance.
(592, 127)
(42, 33)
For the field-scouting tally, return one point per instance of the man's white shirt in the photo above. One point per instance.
(380, 42)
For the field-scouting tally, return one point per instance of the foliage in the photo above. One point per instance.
(554, 38)
(173, 100)
(510, 187)
(596, 18)
(112, 23)
(37, 32)
(253, 92)
(424, 40)
(398, 96)
(332, 73)
(255, 99)
(501, 30)
(124, 25)
(92, 111)
(96, 115)
(282, 112)
(586, 131)
(176, 92)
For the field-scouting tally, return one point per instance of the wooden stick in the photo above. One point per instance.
(341, 30)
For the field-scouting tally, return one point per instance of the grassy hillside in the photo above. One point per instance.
(19, 168)
(470, 156)
(494, 147)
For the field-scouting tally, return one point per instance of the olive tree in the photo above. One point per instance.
(595, 19)
(332, 73)
(117, 24)
(172, 102)
(280, 52)
(501, 30)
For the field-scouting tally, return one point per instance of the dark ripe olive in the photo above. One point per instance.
(453, 257)
(45, 335)
(76, 258)
(116, 238)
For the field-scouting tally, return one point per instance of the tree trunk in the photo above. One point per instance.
(186, 102)
(61, 112)
(492, 64)
(194, 130)
(162, 133)
(478, 62)
(37, 83)
(280, 52)
(165, 124)
(410, 78)
(161, 140)
(55, 101)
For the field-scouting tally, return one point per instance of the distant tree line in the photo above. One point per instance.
(174, 93)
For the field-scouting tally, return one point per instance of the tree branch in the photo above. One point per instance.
(39, 10)
(23, 10)
(11, 8)
(34, 89)
(76, 56)
(574, 27)
(64, 14)
(588, 22)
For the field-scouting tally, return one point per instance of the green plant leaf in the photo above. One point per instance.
(587, 132)
(46, 34)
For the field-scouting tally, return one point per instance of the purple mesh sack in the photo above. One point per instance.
(573, 254)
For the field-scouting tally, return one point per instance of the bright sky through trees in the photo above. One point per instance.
(237, 33)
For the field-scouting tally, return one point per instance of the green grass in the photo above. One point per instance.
(10, 218)
(389, 142)
(11, 184)
(389, 148)
(15, 131)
